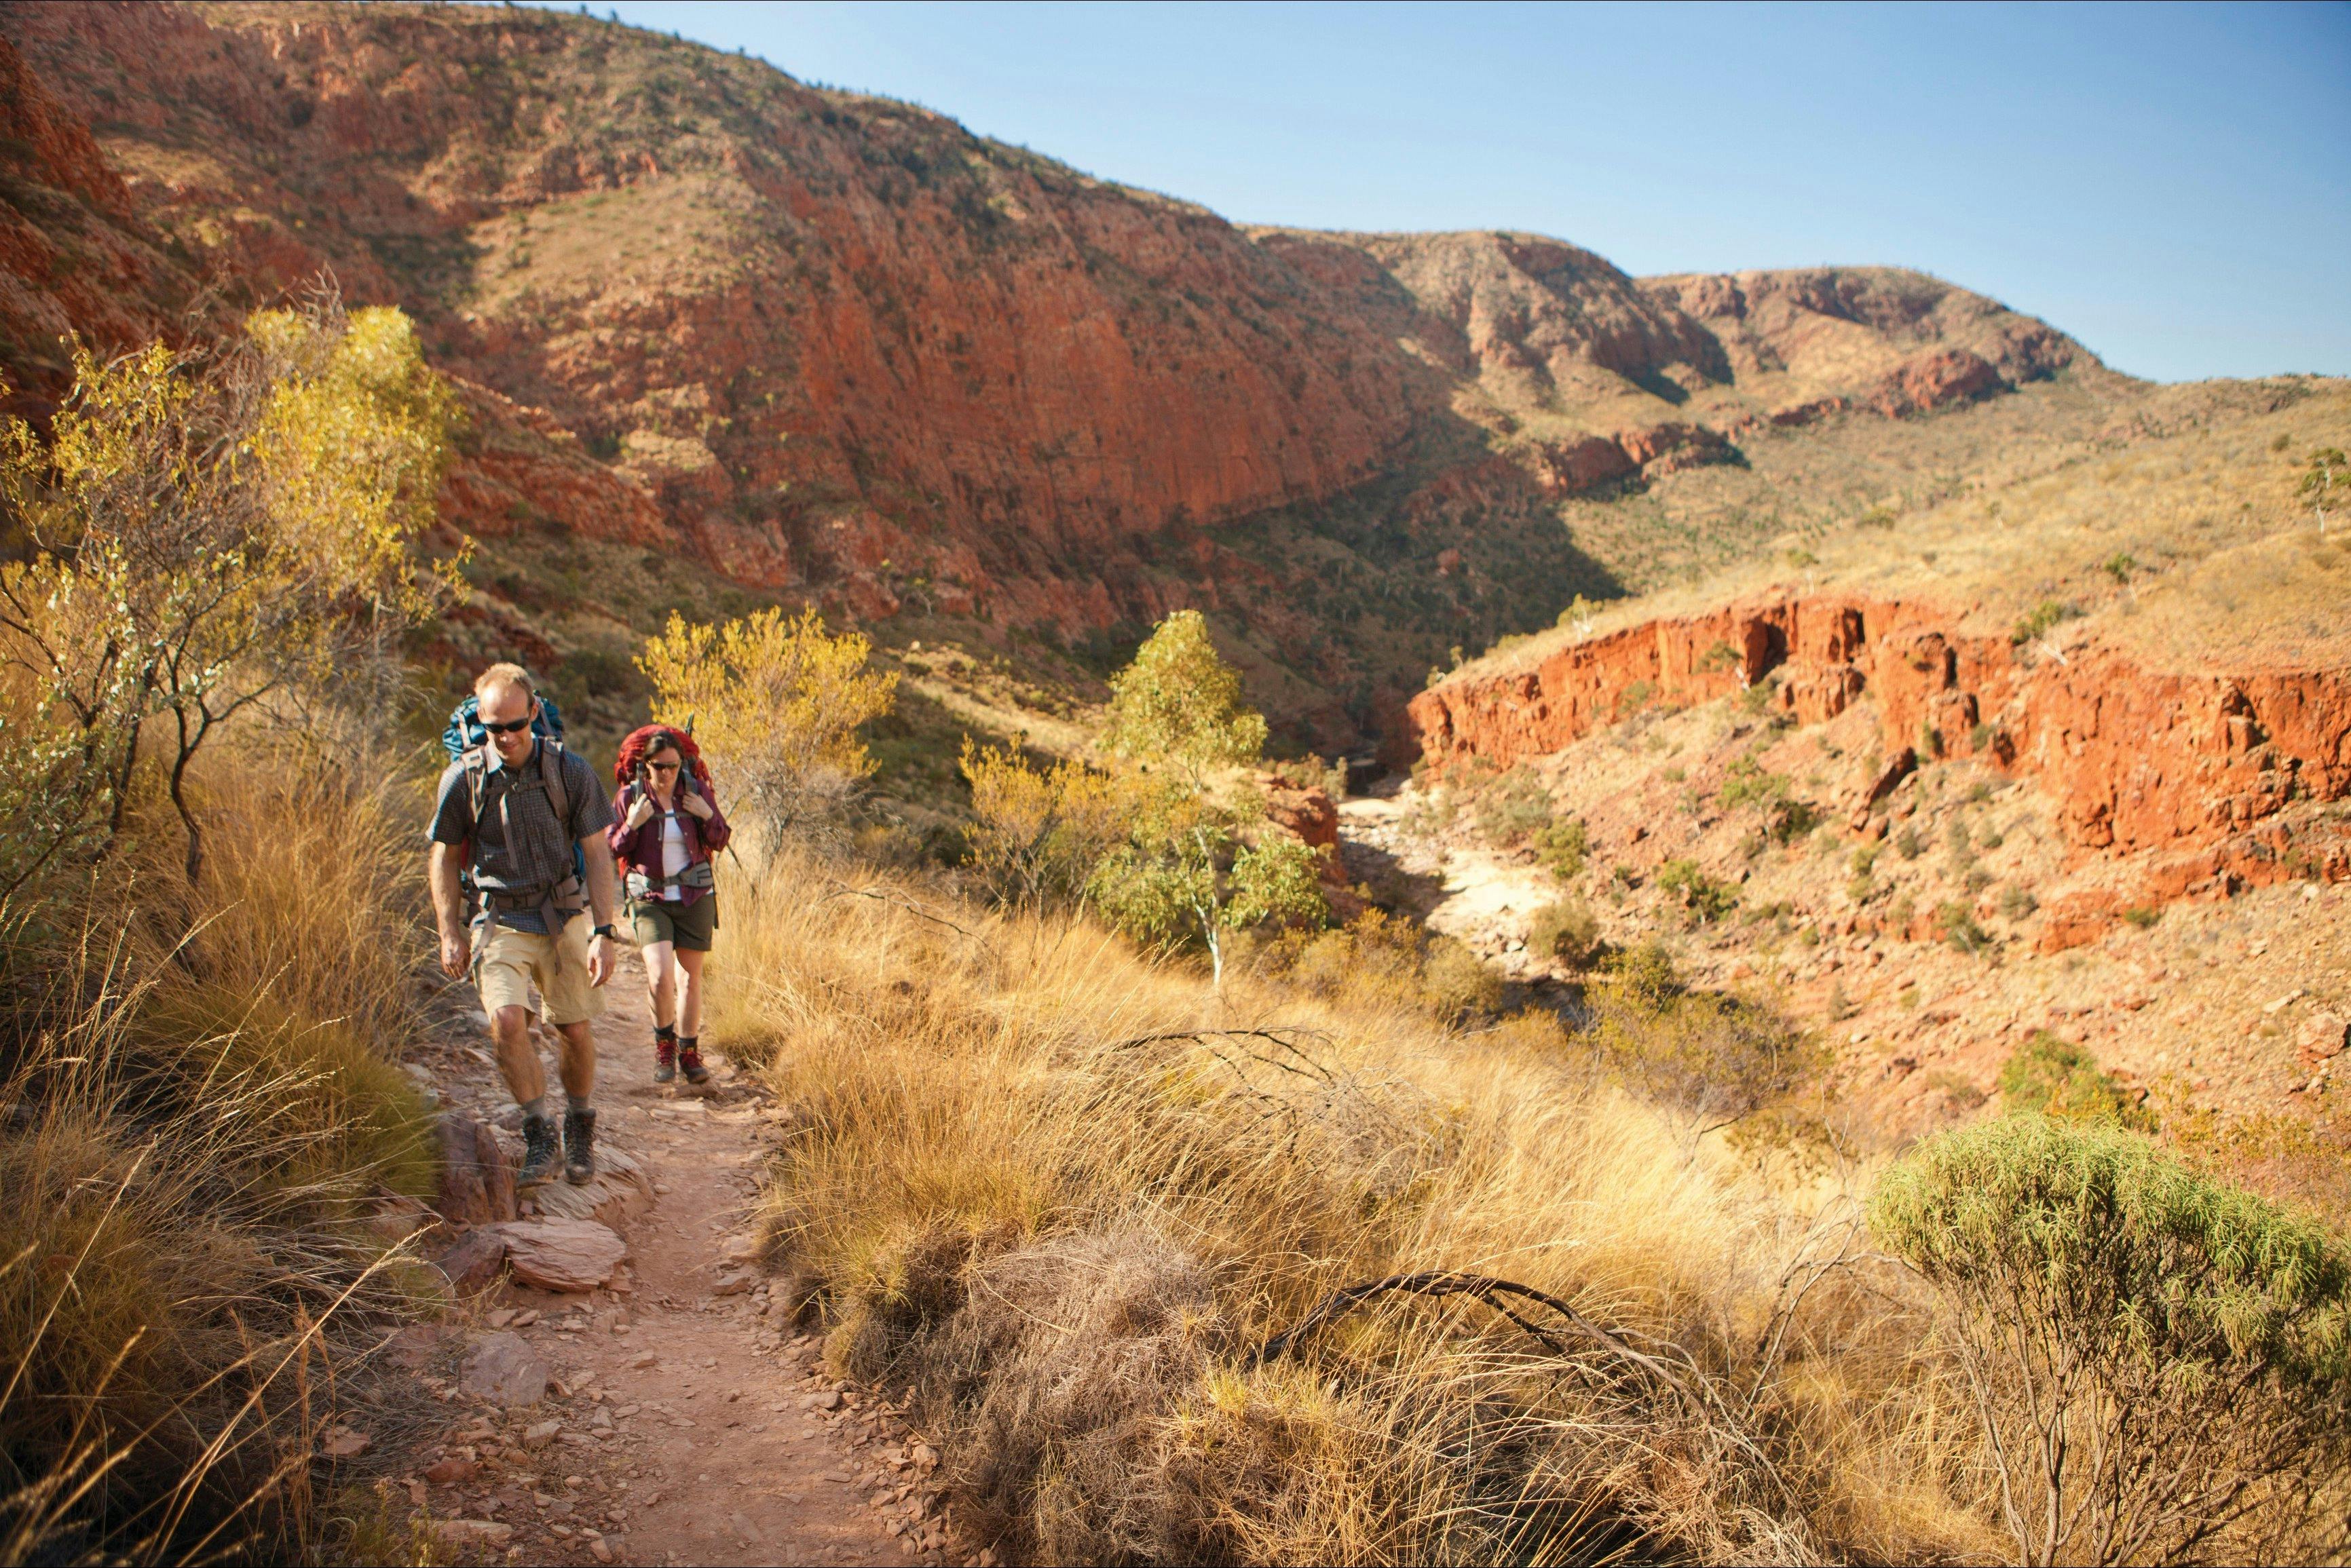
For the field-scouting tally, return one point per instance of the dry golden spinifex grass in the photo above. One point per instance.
(1066, 1196)
(197, 1107)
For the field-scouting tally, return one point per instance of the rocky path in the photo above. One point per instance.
(680, 1418)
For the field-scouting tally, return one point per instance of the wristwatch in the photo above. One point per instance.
(606, 932)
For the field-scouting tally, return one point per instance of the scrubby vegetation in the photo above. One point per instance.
(2161, 1363)
(205, 957)
(1066, 1199)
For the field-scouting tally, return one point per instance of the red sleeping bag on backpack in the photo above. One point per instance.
(633, 755)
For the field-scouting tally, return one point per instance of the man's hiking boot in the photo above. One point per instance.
(689, 1056)
(664, 1058)
(579, 1146)
(539, 1152)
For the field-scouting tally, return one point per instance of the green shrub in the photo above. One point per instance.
(1562, 848)
(1566, 930)
(2017, 902)
(1908, 843)
(1512, 807)
(1716, 1057)
(2050, 1076)
(2142, 915)
(1958, 924)
(2037, 621)
(1702, 897)
(2161, 1362)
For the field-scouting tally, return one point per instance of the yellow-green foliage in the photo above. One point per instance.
(775, 701)
(2163, 1359)
(351, 441)
(1180, 703)
(1703, 899)
(1718, 1057)
(201, 529)
(1565, 930)
(1190, 868)
(1038, 833)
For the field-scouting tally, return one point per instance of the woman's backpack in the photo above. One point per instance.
(633, 749)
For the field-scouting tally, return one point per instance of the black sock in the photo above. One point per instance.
(664, 1031)
(689, 1042)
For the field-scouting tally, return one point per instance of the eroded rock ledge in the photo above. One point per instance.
(2195, 770)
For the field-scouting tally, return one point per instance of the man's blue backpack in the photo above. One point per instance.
(464, 732)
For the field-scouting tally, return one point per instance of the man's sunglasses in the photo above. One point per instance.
(507, 728)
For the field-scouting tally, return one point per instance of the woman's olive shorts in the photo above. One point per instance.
(684, 926)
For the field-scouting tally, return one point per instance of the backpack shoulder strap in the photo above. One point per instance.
(478, 781)
(551, 772)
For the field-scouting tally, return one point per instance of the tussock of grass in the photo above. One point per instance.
(1059, 1195)
(197, 1106)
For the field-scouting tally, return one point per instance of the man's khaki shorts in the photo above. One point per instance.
(507, 961)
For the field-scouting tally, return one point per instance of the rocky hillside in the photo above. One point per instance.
(832, 346)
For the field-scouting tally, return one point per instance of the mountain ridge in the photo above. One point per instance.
(837, 348)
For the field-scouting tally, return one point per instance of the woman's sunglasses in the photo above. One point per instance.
(661, 767)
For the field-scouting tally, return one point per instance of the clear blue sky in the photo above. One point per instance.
(2170, 184)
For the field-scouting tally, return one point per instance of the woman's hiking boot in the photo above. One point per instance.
(539, 1156)
(689, 1056)
(579, 1146)
(664, 1058)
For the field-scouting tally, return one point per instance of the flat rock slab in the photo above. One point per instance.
(619, 1192)
(505, 1370)
(563, 1254)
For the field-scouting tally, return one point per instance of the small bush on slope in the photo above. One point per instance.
(2161, 1363)
(1060, 1194)
(2051, 1075)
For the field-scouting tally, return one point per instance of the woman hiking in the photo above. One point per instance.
(668, 826)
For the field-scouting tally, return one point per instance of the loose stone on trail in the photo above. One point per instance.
(574, 1256)
(505, 1370)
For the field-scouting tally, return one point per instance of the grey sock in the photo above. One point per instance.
(536, 1108)
(579, 1102)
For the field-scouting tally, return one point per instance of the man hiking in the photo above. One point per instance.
(669, 826)
(510, 812)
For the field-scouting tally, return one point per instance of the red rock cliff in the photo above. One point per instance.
(2195, 767)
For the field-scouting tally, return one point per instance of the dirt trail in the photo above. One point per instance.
(692, 1420)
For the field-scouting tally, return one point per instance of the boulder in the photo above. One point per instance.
(473, 1263)
(505, 1370)
(2324, 1035)
(476, 1176)
(562, 1255)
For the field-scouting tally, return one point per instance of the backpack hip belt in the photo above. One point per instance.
(698, 874)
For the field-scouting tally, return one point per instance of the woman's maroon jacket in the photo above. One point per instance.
(640, 850)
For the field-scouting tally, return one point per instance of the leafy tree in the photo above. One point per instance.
(1196, 862)
(775, 701)
(1179, 704)
(204, 529)
(2161, 1363)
